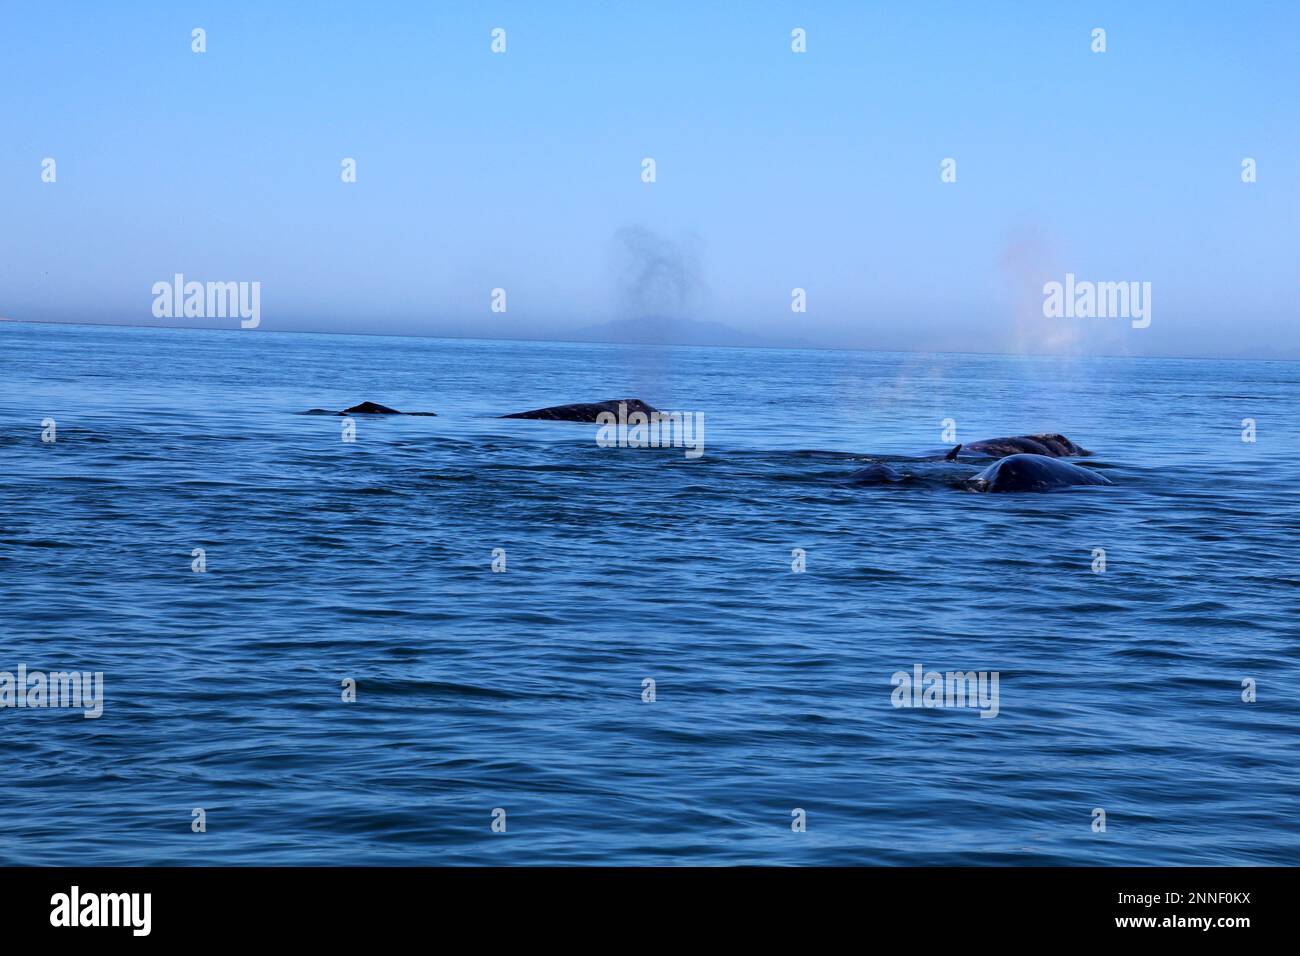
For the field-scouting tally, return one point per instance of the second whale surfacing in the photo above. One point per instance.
(586, 411)
(877, 473)
(1048, 445)
(1032, 473)
(368, 408)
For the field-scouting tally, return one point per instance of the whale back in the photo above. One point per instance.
(1048, 445)
(370, 408)
(586, 411)
(1033, 473)
(877, 473)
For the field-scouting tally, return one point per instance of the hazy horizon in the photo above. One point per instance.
(775, 171)
(561, 339)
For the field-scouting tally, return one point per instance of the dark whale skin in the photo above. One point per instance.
(1051, 446)
(877, 473)
(585, 411)
(370, 408)
(1032, 473)
(367, 408)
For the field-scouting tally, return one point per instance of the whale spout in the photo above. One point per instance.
(586, 411)
(1032, 473)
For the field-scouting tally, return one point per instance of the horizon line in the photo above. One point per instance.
(564, 341)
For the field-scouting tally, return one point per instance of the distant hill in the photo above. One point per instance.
(660, 331)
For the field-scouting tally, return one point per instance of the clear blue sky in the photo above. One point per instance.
(818, 170)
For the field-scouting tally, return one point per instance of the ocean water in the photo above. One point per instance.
(372, 561)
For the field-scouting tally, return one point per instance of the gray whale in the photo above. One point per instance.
(366, 408)
(586, 411)
(1051, 446)
(877, 473)
(1032, 473)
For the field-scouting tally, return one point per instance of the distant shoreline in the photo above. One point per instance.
(642, 345)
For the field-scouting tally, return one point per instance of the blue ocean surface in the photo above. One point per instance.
(522, 691)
